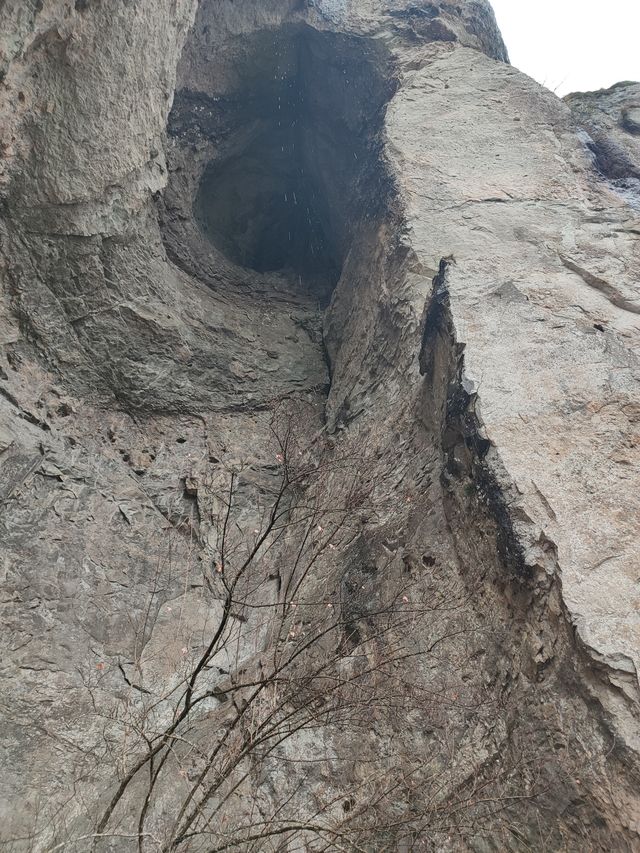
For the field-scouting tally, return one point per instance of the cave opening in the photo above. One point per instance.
(290, 138)
(263, 208)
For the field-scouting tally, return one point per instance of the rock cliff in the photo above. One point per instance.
(319, 433)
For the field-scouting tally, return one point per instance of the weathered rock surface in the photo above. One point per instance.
(544, 295)
(213, 212)
(609, 124)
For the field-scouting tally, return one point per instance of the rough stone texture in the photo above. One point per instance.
(544, 296)
(609, 124)
(481, 343)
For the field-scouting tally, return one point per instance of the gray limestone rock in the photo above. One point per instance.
(319, 341)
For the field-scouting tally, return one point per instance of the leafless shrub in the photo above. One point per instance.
(317, 702)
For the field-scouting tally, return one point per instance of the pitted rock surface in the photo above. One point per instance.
(213, 212)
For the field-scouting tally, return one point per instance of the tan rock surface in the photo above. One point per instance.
(545, 297)
(457, 310)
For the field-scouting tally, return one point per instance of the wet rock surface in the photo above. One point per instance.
(239, 235)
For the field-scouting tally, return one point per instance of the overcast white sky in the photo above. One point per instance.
(572, 45)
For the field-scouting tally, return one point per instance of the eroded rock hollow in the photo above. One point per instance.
(318, 434)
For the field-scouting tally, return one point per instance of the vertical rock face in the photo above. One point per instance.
(319, 373)
(609, 124)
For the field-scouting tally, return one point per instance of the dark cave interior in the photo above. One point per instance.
(293, 145)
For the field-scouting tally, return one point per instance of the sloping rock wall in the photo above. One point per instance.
(355, 225)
